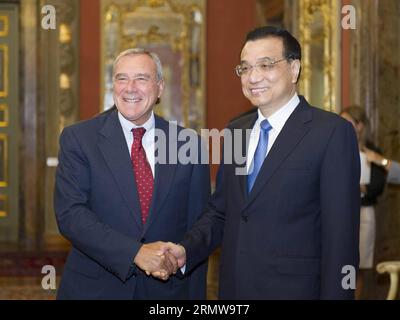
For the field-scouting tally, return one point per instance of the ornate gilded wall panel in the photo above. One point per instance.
(3, 160)
(319, 36)
(4, 25)
(4, 75)
(60, 81)
(3, 205)
(386, 107)
(175, 30)
(9, 122)
(4, 115)
(375, 74)
(363, 71)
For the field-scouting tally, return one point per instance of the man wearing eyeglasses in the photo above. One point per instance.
(289, 227)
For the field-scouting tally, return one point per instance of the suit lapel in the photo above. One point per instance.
(247, 125)
(112, 145)
(292, 133)
(164, 175)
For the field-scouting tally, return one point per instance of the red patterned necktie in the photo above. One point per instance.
(142, 171)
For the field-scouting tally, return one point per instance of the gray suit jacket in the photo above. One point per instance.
(394, 173)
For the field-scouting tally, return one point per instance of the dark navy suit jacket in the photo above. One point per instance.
(298, 229)
(97, 209)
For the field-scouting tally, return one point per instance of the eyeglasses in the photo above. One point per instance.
(262, 67)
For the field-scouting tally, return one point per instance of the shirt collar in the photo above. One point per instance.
(127, 126)
(278, 119)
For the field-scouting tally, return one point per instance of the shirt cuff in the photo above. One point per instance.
(183, 269)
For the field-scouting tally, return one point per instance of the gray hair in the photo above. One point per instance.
(134, 51)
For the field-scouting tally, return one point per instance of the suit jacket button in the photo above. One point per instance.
(142, 240)
(244, 218)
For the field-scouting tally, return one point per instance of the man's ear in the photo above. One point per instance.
(161, 86)
(295, 66)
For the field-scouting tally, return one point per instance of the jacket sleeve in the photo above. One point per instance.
(206, 234)
(377, 185)
(199, 195)
(340, 213)
(111, 249)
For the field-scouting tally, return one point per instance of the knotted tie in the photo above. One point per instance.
(142, 170)
(260, 153)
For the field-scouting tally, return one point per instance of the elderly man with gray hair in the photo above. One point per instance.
(115, 203)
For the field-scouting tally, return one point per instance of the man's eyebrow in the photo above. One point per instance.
(136, 75)
(259, 59)
(117, 75)
(146, 75)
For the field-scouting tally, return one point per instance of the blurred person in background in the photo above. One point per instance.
(372, 183)
(392, 167)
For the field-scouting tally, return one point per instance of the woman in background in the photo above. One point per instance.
(372, 183)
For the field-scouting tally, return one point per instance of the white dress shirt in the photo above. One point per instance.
(277, 120)
(148, 138)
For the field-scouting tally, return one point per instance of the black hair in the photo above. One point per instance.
(291, 46)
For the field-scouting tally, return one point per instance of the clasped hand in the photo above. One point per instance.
(160, 259)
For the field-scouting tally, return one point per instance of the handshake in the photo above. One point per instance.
(160, 259)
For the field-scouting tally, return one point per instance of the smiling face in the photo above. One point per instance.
(272, 88)
(136, 87)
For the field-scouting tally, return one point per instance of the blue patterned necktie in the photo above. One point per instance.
(260, 153)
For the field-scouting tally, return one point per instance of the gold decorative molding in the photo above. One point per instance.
(65, 82)
(3, 160)
(4, 116)
(319, 30)
(59, 86)
(3, 205)
(67, 17)
(65, 33)
(4, 76)
(4, 31)
(161, 25)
